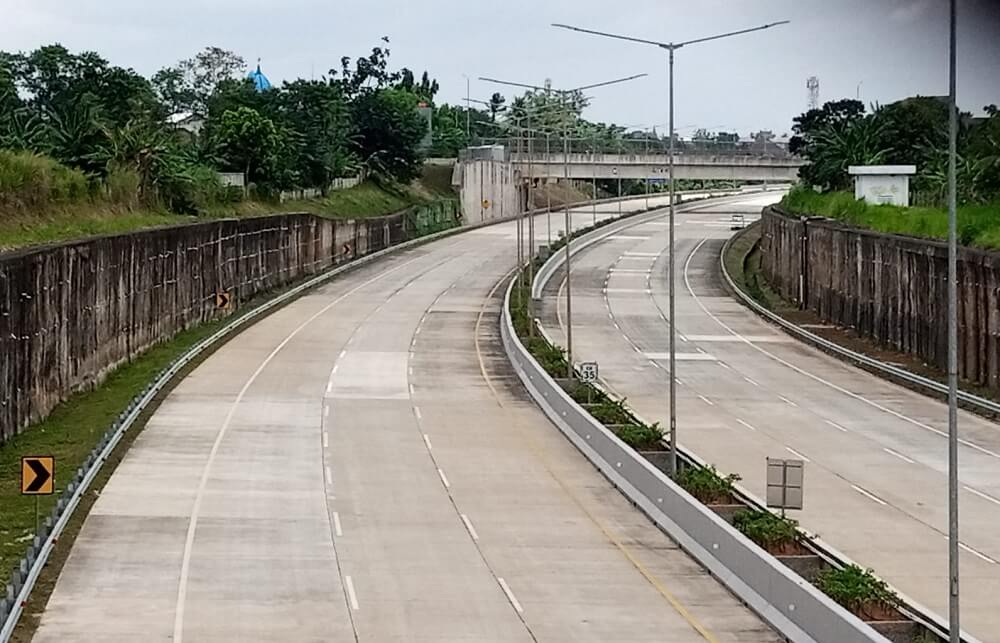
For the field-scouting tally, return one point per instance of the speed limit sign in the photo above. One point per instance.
(588, 372)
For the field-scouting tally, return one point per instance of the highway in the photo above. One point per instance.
(876, 453)
(363, 465)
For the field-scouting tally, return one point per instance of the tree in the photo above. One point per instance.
(842, 144)
(991, 110)
(321, 115)
(187, 86)
(389, 132)
(915, 128)
(816, 120)
(252, 144)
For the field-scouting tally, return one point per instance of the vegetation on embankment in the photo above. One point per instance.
(978, 225)
(43, 201)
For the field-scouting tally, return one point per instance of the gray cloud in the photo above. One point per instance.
(894, 48)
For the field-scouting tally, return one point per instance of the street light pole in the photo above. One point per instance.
(569, 231)
(954, 621)
(671, 47)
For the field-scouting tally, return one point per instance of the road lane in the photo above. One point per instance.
(876, 477)
(363, 465)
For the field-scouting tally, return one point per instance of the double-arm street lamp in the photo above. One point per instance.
(563, 95)
(671, 47)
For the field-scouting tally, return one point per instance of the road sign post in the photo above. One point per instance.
(589, 372)
(38, 478)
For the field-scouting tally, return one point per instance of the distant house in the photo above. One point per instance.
(189, 122)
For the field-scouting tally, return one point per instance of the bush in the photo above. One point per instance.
(30, 181)
(609, 411)
(640, 436)
(766, 529)
(123, 186)
(705, 484)
(856, 589)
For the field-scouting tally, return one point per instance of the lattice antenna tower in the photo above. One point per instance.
(812, 84)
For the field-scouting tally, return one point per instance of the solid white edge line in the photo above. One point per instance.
(336, 525)
(797, 454)
(350, 593)
(869, 495)
(427, 441)
(510, 595)
(977, 554)
(982, 495)
(468, 525)
(444, 479)
(897, 454)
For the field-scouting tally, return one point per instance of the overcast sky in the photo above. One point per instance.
(894, 48)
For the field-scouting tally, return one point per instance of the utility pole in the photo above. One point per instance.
(954, 621)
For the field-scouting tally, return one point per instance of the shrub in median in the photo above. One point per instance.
(708, 485)
(859, 591)
(774, 533)
(640, 436)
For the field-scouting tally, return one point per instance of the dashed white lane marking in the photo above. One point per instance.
(427, 441)
(982, 495)
(326, 440)
(342, 354)
(468, 525)
(751, 381)
(836, 426)
(788, 401)
(411, 389)
(706, 400)
(444, 479)
(351, 595)
(510, 595)
(897, 454)
(335, 368)
(329, 476)
(749, 426)
(977, 554)
(679, 382)
(725, 366)
(416, 411)
(329, 386)
(797, 454)
(336, 525)
(869, 495)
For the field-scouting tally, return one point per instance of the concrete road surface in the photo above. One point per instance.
(876, 453)
(363, 465)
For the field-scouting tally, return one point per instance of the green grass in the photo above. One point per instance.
(69, 433)
(85, 219)
(978, 225)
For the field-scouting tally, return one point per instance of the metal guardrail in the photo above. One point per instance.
(19, 588)
(790, 604)
(968, 399)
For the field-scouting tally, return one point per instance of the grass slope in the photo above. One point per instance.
(978, 225)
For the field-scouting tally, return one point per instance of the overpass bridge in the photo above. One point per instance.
(654, 166)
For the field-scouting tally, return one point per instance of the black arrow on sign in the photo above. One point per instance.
(42, 476)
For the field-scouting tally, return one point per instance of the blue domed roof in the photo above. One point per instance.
(260, 81)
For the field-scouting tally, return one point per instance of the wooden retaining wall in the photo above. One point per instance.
(71, 313)
(889, 288)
